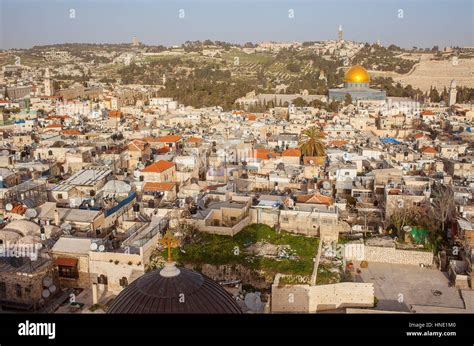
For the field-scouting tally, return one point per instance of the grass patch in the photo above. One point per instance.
(219, 250)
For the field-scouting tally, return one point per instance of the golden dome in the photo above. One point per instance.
(357, 74)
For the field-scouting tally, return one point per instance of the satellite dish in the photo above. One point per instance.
(345, 156)
(9, 207)
(400, 203)
(407, 228)
(30, 213)
(66, 227)
(47, 281)
(326, 185)
(101, 248)
(52, 288)
(5, 152)
(311, 162)
(93, 246)
(46, 293)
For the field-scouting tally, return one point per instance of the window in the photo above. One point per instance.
(60, 196)
(123, 282)
(102, 279)
(68, 272)
(18, 290)
(285, 219)
(346, 173)
(3, 290)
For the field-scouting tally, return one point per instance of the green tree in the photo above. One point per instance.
(311, 142)
(434, 95)
(347, 99)
(299, 102)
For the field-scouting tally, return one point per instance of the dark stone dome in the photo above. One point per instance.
(173, 290)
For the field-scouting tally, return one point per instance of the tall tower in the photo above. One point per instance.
(452, 93)
(48, 83)
(339, 33)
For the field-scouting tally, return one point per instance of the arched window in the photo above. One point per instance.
(102, 279)
(123, 281)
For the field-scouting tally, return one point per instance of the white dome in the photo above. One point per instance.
(116, 186)
(23, 227)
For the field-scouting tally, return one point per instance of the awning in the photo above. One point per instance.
(66, 262)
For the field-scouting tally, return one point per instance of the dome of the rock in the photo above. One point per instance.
(357, 74)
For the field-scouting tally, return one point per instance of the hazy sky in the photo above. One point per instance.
(24, 23)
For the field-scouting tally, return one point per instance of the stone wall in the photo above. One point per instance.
(26, 288)
(393, 255)
(230, 231)
(236, 272)
(129, 266)
(310, 299)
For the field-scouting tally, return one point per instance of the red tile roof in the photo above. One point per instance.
(261, 153)
(338, 143)
(163, 150)
(169, 138)
(72, 132)
(136, 145)
(292, 152)
(251, 117)
(50, 126)
(193, 140)
(429, 150)
(66, 261)
(158, 167)
(264, 154)
(59, 117)
(314, 199)
(158, 186)
(115, 114)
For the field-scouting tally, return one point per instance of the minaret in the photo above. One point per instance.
(339, 33)
(48, 83)
(452, 93)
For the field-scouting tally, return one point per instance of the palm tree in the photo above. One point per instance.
(311, 143)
